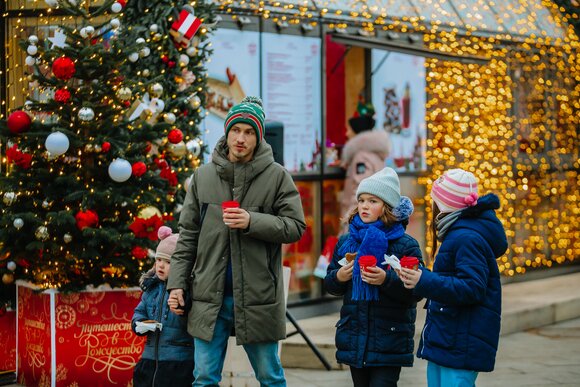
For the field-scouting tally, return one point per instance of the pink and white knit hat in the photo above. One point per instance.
(455, 190)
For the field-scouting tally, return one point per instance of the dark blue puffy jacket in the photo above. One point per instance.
(464, 291)
(376, 333)
(173, 342)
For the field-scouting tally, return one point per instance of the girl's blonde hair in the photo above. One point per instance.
(386, 217)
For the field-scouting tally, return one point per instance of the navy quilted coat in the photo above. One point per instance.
(376, 333)
(464, 291)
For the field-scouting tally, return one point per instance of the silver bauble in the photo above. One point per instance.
(32, 50)
(86, 114)
(11, 265)
(194, 147)
(153, 28)
(18, 223)
(134, 57)
(33, 39)
(67, 238)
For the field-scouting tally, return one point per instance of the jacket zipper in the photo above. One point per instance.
(158, 334)
(424, 329)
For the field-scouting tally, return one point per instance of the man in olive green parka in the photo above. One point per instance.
(230, 259)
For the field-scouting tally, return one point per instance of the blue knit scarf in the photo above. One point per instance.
(368, 239)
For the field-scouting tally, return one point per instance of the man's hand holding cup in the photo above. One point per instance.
(234, 216)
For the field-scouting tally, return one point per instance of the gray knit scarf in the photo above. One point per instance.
(444, 221)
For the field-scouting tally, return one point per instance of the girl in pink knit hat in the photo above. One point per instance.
(461, 332)
(168, 355)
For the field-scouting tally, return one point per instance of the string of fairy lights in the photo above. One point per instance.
(513, 122)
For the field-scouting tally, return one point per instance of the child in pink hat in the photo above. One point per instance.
(461, 332)
(168, 353)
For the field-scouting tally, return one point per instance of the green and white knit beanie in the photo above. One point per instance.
(249, 111)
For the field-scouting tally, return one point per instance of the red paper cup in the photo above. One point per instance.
(230, 204)
(410, 263)
(367, 261)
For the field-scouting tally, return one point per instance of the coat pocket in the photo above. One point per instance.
(442, 325)
(344, 334)
(393, 337)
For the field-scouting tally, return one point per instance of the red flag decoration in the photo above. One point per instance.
(184, 28)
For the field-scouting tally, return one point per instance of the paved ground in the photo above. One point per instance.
(548, 356)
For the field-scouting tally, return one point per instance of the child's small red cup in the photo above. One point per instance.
(366, 261)
(230, 204)
(410, 263)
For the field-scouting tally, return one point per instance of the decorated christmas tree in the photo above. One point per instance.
(88, 181)
(172, 80)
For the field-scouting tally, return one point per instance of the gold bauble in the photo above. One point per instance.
(156, 90)
(124, 93)
(7, 278)
(42, 233)
(148, 211)
(177, 150)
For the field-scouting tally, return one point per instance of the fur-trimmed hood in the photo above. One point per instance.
(374, 141)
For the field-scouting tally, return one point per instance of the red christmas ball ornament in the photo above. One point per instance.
(63, 68)
(106, 146)
(139, 168)
(127, 103)
(171, 64)
(62, 95)
(87, 218)
(175, 136)
(165, 59)
(122, 2)
(18, 122)
(161, 163)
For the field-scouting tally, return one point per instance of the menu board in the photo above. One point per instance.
(233, 73)
(399, 99)
(291, 85)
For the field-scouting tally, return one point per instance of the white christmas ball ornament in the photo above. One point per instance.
(116, 7)
(134, 57)
(30, 60)
(57, 143)
(153, 28)
(11, 265)
(51, 3)
(169, 118)
(120, 170)
(144, 52)
(183, 60)
(115, 23)
(140, 41)
(146, 72)
(32, 50)
(191, 51)
(67, 238)
(18, 223)
(86, 114)
(33, 39)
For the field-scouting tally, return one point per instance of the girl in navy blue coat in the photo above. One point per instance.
(167, 359)
(374, 335)
(461, 332)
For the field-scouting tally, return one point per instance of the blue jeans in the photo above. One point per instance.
(439, 376)
(210, 355)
